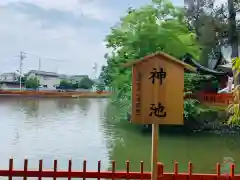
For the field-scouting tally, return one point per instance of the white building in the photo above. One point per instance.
(9, 77)
(9, 81)
(46, 79)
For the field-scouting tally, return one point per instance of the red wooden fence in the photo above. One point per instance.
(212, 98)
(215, 99)
(113, 174)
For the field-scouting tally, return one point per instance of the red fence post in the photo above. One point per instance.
(10, 168)
(232, 169)
(55, 169)
(69, 169)
(84, 169)
(40, 167)
(25, 168)
(175, 170)
(160, 167)
(190, 168)
(113, 169)
(218, 170)
(127, 169)
(99, 169)
(141, 169)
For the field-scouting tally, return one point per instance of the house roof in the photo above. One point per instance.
(78, 77)
(160, 54)
(64, 76)
(10, 73)
(44, 73)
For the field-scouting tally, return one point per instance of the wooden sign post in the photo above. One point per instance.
(157, 94)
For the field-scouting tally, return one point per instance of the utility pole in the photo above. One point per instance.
(22, 56)
(39, 64)
(39, 68)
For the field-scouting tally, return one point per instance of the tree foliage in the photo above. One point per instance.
(200, 29)
(159, 26)
(234, 107)
(209, 19)
(196, 82)
(85, 83)
(64, 84)
(32, 82)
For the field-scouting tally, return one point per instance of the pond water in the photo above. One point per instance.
(61, 129)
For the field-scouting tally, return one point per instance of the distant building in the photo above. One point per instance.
(9, 81)
(9, 77)
(7, 85)
(46, 79)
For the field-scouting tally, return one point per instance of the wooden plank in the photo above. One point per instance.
(154, 160)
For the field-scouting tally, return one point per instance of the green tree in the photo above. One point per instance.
(234, 108)
(32, 83)
(85, 83)
(159, 26)
(64, 84)
(23, 78)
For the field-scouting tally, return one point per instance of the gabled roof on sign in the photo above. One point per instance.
(160, 54)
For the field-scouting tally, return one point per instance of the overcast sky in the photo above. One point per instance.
(67, 34)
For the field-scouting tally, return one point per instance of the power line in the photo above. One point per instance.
(49, 58)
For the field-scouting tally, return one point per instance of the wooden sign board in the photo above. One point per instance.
(158, 89)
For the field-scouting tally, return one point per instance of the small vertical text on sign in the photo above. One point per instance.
(138, 94)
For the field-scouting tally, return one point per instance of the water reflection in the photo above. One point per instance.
(126, 142)
(203, 151)
(34, 106)
(226, 164)
(30, 106)
(64, 104)
(52, 128)
(79, 129)
(16, 137)
(83, 104)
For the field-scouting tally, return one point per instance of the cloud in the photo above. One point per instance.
(89, 8)
(79, 46)
(51, 17)
(67, 34)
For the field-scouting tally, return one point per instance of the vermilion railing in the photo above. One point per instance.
(113, 174)
(215, 99)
